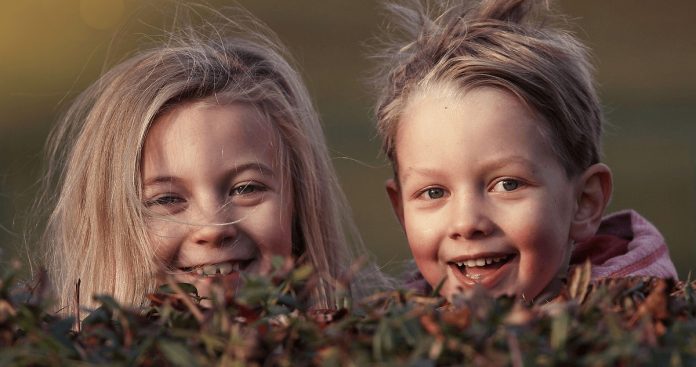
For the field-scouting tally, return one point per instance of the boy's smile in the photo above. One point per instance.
(481, 195)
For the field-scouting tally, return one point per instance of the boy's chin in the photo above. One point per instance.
(530, 295)
(497, 281)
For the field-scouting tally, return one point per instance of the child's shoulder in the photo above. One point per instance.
(626, 244)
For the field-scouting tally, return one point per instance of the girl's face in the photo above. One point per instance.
(482, 197)
(212, 179)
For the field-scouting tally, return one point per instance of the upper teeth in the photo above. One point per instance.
(217, 269)
(482, 261)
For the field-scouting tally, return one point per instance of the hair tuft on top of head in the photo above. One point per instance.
(512, 11)
(521, 46)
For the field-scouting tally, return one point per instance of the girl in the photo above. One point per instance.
(201, 158)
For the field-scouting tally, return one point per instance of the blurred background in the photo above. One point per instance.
(645, 53)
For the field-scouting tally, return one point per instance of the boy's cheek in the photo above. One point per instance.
(424, 250)
(429, 267)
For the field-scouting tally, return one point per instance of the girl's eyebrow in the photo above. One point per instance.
(161, 180)
(235, 170)
(256, 166)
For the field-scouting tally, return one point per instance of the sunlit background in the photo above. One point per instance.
(645, 52)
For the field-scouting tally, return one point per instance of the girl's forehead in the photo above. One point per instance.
(202, 132)
(208, 117)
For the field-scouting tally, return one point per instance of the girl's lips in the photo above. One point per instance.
(486, 269)
(208, 270)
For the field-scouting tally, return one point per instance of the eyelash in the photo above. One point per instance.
(245, 189)
(255, 187)
(429, 190)
(166, 199)
(518, 184)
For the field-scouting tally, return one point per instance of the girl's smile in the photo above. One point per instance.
(215, 194)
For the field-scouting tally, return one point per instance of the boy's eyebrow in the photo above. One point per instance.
(417, 170)
(493, 164)
(504, 161)
(256, 166)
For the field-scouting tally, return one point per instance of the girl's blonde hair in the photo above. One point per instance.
(498, 43)
(96, 230)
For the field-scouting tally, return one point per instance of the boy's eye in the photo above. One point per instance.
(506, 185)
(433, 193)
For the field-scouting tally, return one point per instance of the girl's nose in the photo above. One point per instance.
(214, 234)
(215, 229)
(469, 219)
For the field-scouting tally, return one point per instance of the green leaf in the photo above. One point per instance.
(177, 353)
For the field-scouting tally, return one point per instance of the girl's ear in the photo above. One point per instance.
(395, 198)
(593, 195)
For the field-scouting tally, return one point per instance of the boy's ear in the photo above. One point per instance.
(593, 195)
(395, 198)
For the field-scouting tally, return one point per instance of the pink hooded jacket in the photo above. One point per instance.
(626, 245)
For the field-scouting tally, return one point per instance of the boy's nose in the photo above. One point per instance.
(469, 220)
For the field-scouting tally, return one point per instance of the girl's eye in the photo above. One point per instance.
(506, 185)
(247, 189)
(165, 200)
(433, 193)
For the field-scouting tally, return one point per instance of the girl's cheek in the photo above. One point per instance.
(166, 238)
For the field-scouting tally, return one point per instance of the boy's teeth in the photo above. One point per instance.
(480, 261)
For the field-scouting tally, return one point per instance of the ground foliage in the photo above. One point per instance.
(622, 322)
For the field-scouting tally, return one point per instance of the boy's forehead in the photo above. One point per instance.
(485, 126)
(430, 108)
(442, 90)
(449, 98)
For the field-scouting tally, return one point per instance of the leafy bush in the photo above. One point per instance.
(622, 322)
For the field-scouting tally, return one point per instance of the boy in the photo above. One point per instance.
(493, 127)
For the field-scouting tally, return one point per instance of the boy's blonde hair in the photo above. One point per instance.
(495, 43)
(96, 230)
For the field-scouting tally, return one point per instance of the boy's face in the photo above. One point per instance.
(481, 195)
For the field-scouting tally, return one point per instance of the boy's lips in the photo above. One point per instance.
(486, 269)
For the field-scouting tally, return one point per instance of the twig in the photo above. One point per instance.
(78, 323)
(187, 300)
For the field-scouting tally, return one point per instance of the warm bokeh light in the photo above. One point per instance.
(101, 14)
